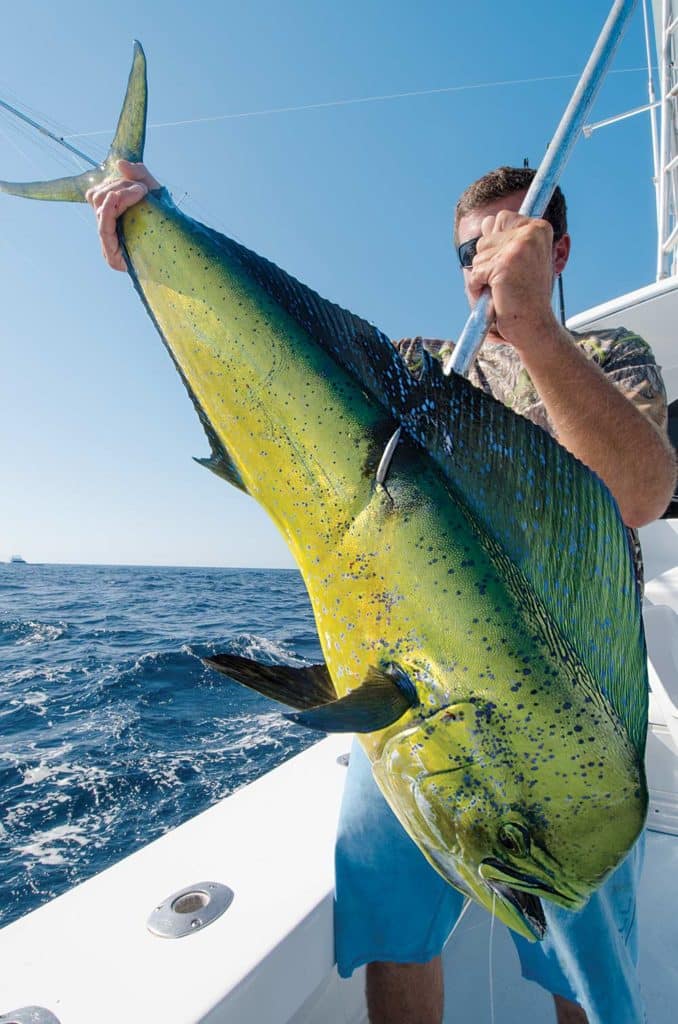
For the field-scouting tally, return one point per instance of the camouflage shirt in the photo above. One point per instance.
(623, 357)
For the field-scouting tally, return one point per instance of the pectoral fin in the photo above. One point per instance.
(379, 701)
(383, 697)
(299, 687)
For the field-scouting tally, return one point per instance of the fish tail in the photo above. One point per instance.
(128, 144)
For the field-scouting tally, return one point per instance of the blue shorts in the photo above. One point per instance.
(391, 905)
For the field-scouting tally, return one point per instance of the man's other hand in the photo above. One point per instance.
(111, 198)
(518, 260)
(515, 260)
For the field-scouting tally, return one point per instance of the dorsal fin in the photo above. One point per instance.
(556, 521)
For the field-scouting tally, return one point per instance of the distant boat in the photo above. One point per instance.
(18, 559)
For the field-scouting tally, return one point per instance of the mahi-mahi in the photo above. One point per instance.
(475, 600)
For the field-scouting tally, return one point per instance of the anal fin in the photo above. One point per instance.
(220, 461)
(223, 466)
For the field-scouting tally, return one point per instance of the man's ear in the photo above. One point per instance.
(561, 253)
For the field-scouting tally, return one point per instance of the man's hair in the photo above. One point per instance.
(505, 181)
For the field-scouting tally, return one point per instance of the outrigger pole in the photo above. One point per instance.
(550, 169)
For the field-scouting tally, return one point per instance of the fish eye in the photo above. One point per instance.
(514, 838)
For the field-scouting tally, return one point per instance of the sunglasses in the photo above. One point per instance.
(466, 252)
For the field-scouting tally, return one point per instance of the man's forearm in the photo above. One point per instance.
(602, 427)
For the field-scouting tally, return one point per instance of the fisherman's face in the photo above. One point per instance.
(470, 226)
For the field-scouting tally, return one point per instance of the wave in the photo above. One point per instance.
(51, 846)
(184, 664)
(259, 648)
(22, 634)
(113, 729)
(64, 813)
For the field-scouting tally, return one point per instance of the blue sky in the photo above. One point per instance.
(96, 431)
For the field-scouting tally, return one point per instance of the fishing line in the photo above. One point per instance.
(38, 138)
(60, 135)
(15, 145)
(467, 903)
(197, 211)
(354, 102)
(14, 130)
(39, 115)
(494, 900)
(64, 158)
(67, 160)
(32, 160)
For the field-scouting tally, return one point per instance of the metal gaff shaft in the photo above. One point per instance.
(550, 169)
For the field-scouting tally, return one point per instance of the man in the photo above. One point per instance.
(603, 398)
(392, 912)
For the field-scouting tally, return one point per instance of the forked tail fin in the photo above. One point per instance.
(128, 144)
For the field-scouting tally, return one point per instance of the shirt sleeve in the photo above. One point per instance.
(628, 361)
(410, 350)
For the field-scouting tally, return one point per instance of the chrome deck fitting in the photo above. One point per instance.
(189, 910)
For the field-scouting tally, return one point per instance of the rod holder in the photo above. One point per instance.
(29, 1015)
(189, 910)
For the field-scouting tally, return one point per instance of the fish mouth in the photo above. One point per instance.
(520, 910)
(526, 903)
(522, 890)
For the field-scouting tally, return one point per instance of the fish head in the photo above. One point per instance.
(509, 816)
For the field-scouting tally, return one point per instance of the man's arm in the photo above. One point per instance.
(591, 417)
(596, 422)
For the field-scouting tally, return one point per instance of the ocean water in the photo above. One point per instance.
(112, 730)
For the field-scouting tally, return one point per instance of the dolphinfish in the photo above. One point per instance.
(477, 609)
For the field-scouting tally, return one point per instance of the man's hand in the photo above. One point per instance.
(111, 199)
(514, 258)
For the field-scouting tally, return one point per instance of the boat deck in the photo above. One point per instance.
(89, 956)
